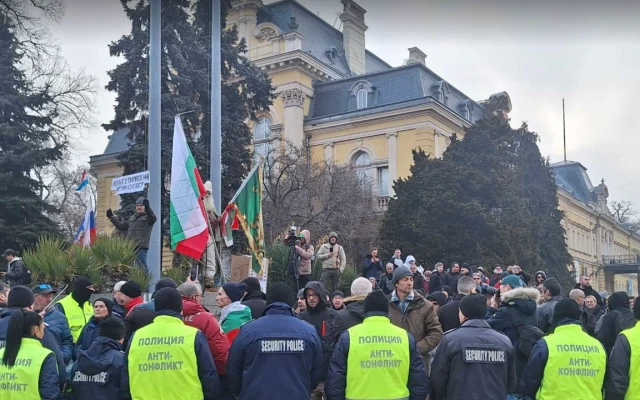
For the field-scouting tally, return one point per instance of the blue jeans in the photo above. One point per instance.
(141, 259)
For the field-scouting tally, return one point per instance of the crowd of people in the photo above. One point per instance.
(402, 332)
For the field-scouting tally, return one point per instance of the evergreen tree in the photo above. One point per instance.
(490, 200)
(27, 141)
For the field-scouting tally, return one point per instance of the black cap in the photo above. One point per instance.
(131, 289)
(376, 301)
(253, 284)
(20, 297)
(165, 282)
(112, 327)
(474, 306)
(168, 299)
(566, 308)
(10, 252)
(280, 293)
(440, 297)
(43, 289)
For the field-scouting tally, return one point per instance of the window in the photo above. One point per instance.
(262, 129)
(361, 99)
(361, 161)
(383, 181)
(261, 150)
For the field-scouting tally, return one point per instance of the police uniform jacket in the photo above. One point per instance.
(275, 357)
(96, 373)
(475, 350)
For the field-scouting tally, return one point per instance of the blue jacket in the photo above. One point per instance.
(206, 368)
(96, 372)
(258, 369)
(48, 341)
(89, 334)
(118, 310)
(336, 383)
(59, 325)
(48, 384)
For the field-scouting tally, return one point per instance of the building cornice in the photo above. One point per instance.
(298, 59)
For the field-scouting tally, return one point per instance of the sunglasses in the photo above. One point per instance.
(44, 287)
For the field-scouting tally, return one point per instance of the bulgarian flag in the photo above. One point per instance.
(245, 210)
(188, 221)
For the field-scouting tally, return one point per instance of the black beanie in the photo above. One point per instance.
(107, 303)
(20, 297)
(234, 290)
(474, 306)
(112, 327)
(166, 282)
(636, 309)
(168, 299)
(280, 293)
(440, 297)
(337, 293)
(376, 301)
(131, 289)
(566, 308)
(253, 284)
(616, 300)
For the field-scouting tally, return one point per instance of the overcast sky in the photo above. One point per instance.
(587, 52)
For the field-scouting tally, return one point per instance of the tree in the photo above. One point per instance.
(624, 213)
(185, 83)
(490, 200)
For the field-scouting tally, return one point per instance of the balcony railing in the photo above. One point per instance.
(622, 259)
(381, 203)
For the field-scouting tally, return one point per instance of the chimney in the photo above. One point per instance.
(416, 56)
(353, 29)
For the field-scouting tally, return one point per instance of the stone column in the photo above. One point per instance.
(392, 154)
(328, 153)
(294, 116)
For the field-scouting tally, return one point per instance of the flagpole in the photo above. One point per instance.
(154, 258)
(215, 172)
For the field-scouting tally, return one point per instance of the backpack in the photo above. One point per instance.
(26, 275)
(529, 336)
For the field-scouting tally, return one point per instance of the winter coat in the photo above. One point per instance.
(495, 280)
(450, 279)
(350, 316)
(336, 384)
(397, 262)
(386, 284)
(322, 317)
(339, 260)
(418, 282)
(136, 318)
(15, 269)
(617, 380)
(453, 367)
(258, 370)
(138, 227)
(590, 318)
(448, 314)
(435, 285)
(89, 334)
(545, 314)
(96, 372)
(523, 277)
(373, 269)
(589, 291)
(118, 310)
(420, 320)
(614, 322)
(305, 254)
(59, 326)
(195, 315)
(232, 317)
(256, 301)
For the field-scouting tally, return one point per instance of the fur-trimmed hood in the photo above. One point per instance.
(523, 293)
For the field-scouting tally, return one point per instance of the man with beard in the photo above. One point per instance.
(210, 256)
(77, 307)
(585, 286)
(551, 294)
(333, 262)
(496, 277)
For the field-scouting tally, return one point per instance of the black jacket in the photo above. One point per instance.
(350, 316)
(614, 322)
(138, 227)
(96, 373)
(386, 283)
(139, 317)
(450, 279)
(373, 269)
(257, 302)
(618, 375)
(322, 318)
(590, 318)
(435, 285)
(448, 314)
(474, 350)
(590, 292)
(14, 272)
(418, 283)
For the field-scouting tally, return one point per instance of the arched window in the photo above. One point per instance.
(361, 99)
(362, 161)
(262, 129)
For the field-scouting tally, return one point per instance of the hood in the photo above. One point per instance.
(440, 297)
(322, 292)
(618, 300)
(333, 234)
(256, 294)
(544, 276)
(191, 307)
(307, 236)
(95, 359)
(524, 299)
(408, 260)
(278, 308)
(356, 307)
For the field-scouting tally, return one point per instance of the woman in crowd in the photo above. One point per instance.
(102, 308)
(234, 314)
(591, 315)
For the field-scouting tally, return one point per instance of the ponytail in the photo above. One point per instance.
(20, 324)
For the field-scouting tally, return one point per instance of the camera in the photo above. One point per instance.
(486, 289)
(292, 238)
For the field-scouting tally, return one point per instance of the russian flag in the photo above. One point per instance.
(84, 181)
(87, 231)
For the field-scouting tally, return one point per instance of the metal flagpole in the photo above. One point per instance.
(154, 259)
(216, 108)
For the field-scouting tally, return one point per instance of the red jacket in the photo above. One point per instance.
(136, 301)
(194, 314)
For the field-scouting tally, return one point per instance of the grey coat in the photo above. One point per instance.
(545, 314)
(138, 227)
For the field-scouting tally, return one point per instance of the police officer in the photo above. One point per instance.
(77, 306)
(568, 363)
(277, 356)
(620, 382)
(475, 350)
(167, 359)
(376, 359)
(27, 370)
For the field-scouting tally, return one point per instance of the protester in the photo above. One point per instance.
(437, 299)
(386, 281)
(396, 259)
(615, 321)
(447, 291)
(304, 250)
(373, 267)
(410, 311)
(418, 279)
(577, 295)
(254, 298)
(118, 302)
(427, 281)
(234, 314)
(517, 271)
(17, 272)
(38, 377)
(540, 278)
(622, 381)
(374, 283)
(76, 307)
(4, 294)
(402, 378)
(437, 276)
(591, 314)
(353, 312)
(209, 256)
(585, 286)
(337, 300)
(465, 270)
(302, 304)
(451, 277)
(474, 350)
(483, 277)
(197, 379)
(496, 277)
(137, 228)
(97, 370)
(54, 319)
(333, 262)
(552, 372)
(138, 313)
(481, 285)
(632, 301)
(150, 306)
(102, 309)
(551, 294)
(448, 313)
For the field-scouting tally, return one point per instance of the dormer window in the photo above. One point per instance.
(362, 95)
(466, 109)
(361, 99)
(441, 92)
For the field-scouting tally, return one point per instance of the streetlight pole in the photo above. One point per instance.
(215, 172)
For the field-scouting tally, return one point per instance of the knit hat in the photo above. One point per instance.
(234, 290)
(376, 301)
(440, 297)
(140, 200)
(544, 276)
(166, 282)
(513, 281)
(20, 297)
(107, 303)
(253, 284)
(280, 293)
(337, 293)
(474, 306)
(301, 293)
(400, 273)
(636, 310)
(131, 289)
(616, 300)
(567, 308)
(168, 299)
(112, 327)
(447, 288)
(333, 234)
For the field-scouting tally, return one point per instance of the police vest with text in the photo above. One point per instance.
(378, 362)
(162, 361)
(633, 336)
(21, 382)
(575, 367)
(76, 316)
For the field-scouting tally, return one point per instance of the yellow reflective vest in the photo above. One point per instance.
(378, 361)
(76, 317)
(162, 361)
(575, 367)
(633, 336)
(21, 382)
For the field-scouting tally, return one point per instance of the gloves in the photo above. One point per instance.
(109, 213)
(146, 203)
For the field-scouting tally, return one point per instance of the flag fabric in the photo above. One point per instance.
(245, 210)
(86, 234)
(84, 181)
(187, 216)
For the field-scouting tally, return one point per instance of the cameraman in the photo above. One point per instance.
(305, 252)
(481, 286)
